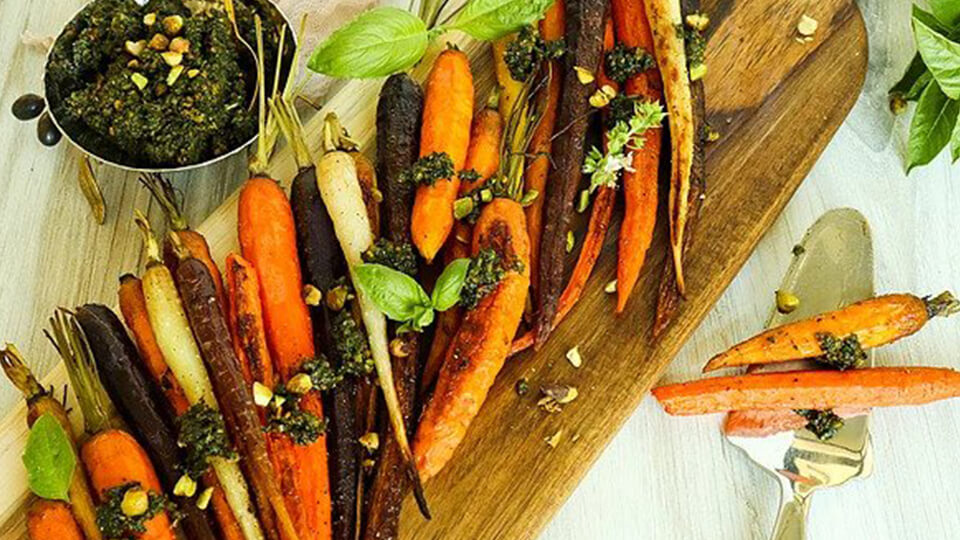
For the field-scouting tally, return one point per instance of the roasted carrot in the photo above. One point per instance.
(667, 26)
(447, 112)
(133, 307)
(874, 322)
(640, 181)
(40, 402)
(763, 422)
(113, 459)
(166, 196)
(140, 405)
(268, 241)
(245, 316)
(818, 389)
(483, 153)
(48, 519)
(481, 344)
(584, 44)
(179, 349)
(552, 27)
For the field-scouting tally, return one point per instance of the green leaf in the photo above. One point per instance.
(446, 293)
(394, 293)
(911, 76)
(932, 126)
(422, 319)
(378, 42)
(946, 11)
(941, 56)
(929, 19)
(955, 141)
(492, 19)
(919, 86)
(49, 459)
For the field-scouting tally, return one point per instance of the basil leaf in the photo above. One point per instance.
(929, 19)
(919, 86)
(941, 56)
(492, 19)
(422, 319)
(394, 293)
(955, 141)
(446, 293)
(932, 126)
(49, 459)
(946, 11)
(911, 77)
(376, 43)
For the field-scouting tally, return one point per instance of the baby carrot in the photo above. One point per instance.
(481, 344)
(48, 519)
(763, 422)
(447, 111)
(874, 322)
(245, 315)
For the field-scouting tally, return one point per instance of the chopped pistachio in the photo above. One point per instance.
(133, 64)
(787, 301)
(180, 45)
(528, 197)
(149, 19)
(193, 72)
(562, 393)
(462, 207)
(583, 201)
(573, 356)
(610, 287)
(300, 383)
(174, 74)
(172, 24)
(204, 499)
(261, 394)
(697, 72)
(185, 486)
(712, 134)
(584, 75)
(807, 26)
(370, 441)
(608, 91)
(135, 502)
(278, 401)
(553, 440)
(135, 47)
(522, 386)
(398, 348)
(698, 21)
(897, 103)
(599, 99)
(571, 240)
(140, 80)
(550, 405)
(159, 42)
(172, 59)
(312, 295)
(486, 195)
(336, 297)
(368, 463)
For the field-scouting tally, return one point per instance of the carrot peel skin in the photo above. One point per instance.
(818, 389)
(48, 519)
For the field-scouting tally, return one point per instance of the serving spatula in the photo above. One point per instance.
(831, 268)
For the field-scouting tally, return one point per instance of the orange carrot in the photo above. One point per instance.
(113, 458)
(483, 153)
(458, 246)
(639, 182)
(876, 321)
(245, 315)
(268, 242)
(763, 422)
(133, 307)
(481, 344)
(817, 389)
(447, 111)
(535, 177)
(48, 519)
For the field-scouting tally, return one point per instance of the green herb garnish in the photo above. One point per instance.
(397, 255)
(427, 170)
(483, 275)
(822, 423)
(841, 354)
(525, 53)
(49, 459)
(322, 375)
(622, 139)
(203, 435)
(303, 427)
(623, 62)
(350, 345)
(114, 523)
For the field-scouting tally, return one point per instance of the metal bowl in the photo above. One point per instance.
(104, 151)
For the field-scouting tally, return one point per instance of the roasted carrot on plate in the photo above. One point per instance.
(176, 342)
(763, 422)
(483, 341)
(48, 519)
(818, 389)
(584, 44)
(133, 307)
(444, 134)
(39, 403)
(870, 323)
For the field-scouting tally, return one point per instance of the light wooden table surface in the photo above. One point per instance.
(661, 477)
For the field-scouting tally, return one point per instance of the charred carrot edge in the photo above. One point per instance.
(666, 24)
(875, 321)
(133, 307)
(40, 402)
(484, 338)
(114, 458)
(447, 112)
(639, 184)
(268, 241)
(552, 27)
(585, 44)
(48, 519)
(763, 422)
(817, 389)
(372, 197)
(245, 316)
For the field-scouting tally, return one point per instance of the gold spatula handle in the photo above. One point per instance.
(791, 521)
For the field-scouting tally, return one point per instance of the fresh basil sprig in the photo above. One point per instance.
(402, 299)
(49, 459)
(932, 80)
(385, 40)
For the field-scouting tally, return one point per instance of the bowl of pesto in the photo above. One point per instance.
(163, 86)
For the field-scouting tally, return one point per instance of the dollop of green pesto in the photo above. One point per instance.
(203, 435)
(115, 524)
(485, 272)
(622, 62)
(303, 427)
(397, 255)
(823, 423)
(527, 51)
(840, 353)
(428, 169)
(351, 345)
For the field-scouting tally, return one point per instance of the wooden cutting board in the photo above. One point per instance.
(776, 102)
